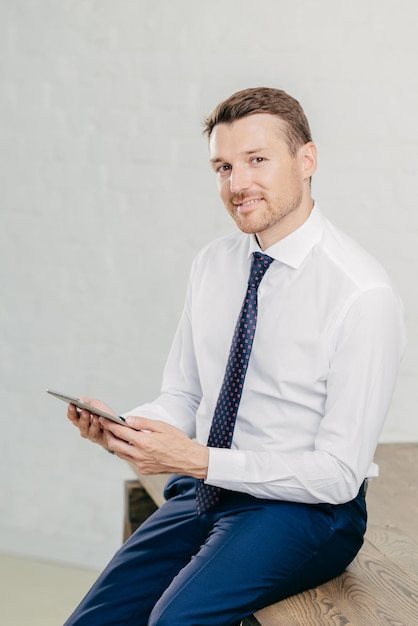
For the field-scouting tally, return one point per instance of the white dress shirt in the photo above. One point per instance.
(321, 374)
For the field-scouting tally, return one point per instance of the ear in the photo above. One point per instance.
(308, 156)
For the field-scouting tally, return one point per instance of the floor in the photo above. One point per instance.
(34, 593)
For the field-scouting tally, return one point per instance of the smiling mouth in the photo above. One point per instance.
(247, 205)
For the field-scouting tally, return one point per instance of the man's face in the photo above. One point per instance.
(263, 187)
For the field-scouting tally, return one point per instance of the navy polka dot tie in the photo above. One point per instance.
(223, 421)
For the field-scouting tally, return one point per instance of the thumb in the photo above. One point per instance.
(140, 423)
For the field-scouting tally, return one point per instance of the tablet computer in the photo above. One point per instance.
(88, 407)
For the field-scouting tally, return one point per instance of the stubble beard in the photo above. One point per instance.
(272, 214)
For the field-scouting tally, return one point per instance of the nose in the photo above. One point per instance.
(239, 180)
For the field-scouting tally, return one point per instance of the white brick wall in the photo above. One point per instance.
(106, 195)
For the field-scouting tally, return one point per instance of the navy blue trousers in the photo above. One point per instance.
(179, 569)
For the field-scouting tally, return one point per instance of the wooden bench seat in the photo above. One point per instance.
(380, 587)
(374, 590)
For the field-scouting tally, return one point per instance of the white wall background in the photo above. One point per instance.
(106, 195)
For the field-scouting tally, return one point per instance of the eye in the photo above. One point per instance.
(256, 160)
(223, 168)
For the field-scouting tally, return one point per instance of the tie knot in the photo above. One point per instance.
(261, 263)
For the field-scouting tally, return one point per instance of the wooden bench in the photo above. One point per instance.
(379, 588)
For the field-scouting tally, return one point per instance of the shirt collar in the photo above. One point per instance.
(293, 249)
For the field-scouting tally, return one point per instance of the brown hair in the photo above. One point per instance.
(264, 100)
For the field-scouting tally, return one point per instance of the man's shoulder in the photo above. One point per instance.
(235, 243)
(220, 257)
(351, 259)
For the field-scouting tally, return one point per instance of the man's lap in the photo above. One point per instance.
(217, 568)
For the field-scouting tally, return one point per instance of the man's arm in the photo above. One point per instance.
(363, 370)
(155, 447)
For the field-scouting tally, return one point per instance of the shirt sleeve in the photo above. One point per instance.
(364, 359)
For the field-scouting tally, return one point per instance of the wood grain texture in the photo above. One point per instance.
(394, 544)
(311, 608)
(371, 592)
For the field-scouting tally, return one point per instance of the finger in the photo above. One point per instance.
(107, 441)
(122, 432)
(142, 423)
(124, 449)
(95, 431)
(72, 413)
(85, 422)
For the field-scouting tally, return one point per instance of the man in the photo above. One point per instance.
(270, 438)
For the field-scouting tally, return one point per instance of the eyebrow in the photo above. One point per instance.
(246, 152)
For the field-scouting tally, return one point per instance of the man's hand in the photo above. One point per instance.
(155, 447)
(89, 424)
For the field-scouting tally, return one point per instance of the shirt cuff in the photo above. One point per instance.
(226, 468)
